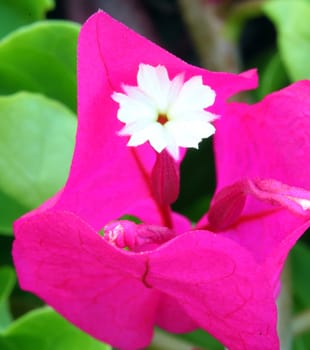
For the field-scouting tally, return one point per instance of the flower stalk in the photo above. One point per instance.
(284, 305)
(301, 323)
(165, 341)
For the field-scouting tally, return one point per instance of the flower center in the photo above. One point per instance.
(162, 119)
(134, 237)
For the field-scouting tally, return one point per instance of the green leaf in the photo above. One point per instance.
(10, 209)
(41, 58)
(203, 340)
(7, 282)
(198, 208)
(4, 345)
(198, 185)
(300, 259)
(36, 145)
(301, 342)
(44, 329)
(300, 262)
(16, 13)
(272, 76)
(238, 15)
(291, 19)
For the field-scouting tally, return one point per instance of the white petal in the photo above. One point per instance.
(132, 128)
(175, 88)
(137, 94)
(205, 116)
(193, 96)
(133, 109)
(137, 113)
(154, 133)
(189, 134)
(119, 97)
(158, 137)
(173, 148)
(189, 116)
(139, 137)
(155, 83)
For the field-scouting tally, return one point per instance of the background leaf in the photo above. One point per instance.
(4, 345)
(41, 58)
(16, 13)
(300, 259)
(272, 76)
(36, 145)
(301, 342)
(10, 209)
(203, 340)
(300, 262)
(7, 282)
(291, 19)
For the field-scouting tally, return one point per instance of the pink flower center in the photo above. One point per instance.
(136, 237)
(162, 119)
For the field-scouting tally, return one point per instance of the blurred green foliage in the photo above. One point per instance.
(36, 145)
(7, 282)
(300, 262)
(291, 19)
(17, 13)
(41, 58)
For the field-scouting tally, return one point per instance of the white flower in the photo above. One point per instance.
(167, 113)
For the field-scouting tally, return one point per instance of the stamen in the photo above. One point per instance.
(162, 119)
(136, 237)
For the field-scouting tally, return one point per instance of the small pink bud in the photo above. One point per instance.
(226, 207)
(165, 179)
(228, 203)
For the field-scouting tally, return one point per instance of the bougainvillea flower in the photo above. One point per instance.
(117, 279)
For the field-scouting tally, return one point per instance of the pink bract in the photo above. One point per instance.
(225, 282)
